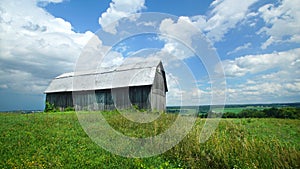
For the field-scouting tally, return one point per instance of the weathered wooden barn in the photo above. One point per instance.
(141, 85)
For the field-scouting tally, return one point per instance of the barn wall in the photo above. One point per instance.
(85, 100)
(62, 99)
(103, 99)
(140, 96)
(158, 91)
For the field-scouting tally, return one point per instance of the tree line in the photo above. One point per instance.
(285, 112)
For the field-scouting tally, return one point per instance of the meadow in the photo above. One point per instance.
(56, 140)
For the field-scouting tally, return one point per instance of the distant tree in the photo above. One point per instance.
(229, 115)
(285, 112)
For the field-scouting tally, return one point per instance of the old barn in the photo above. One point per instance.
(140, 85)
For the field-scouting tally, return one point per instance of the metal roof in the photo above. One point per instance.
(132, 74)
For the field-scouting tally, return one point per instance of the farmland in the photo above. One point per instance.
(56, 140)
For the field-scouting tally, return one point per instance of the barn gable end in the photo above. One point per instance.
(140, 84)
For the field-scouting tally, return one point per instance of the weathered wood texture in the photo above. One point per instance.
(61, 100)
(120, 98)
(149, 97)
(158, 91)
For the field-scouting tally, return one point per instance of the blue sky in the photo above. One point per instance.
(258, 43)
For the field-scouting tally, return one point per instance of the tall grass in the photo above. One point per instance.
(233, 146)
(56, 140)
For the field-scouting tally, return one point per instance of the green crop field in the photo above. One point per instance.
(56, 140)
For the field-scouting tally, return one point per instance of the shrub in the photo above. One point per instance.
(50, 107)
(69, 109)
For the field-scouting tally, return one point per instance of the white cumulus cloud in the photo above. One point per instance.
(225, 15)
(271, 77)
(35, 46)
(283, 22)
(252, 64)
(117, 10)
(245, 46)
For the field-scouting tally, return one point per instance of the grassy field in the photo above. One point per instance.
(56, 140)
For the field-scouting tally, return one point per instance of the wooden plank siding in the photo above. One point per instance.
(139, 85)
(120, 98)
(61, 100)
(158, 91)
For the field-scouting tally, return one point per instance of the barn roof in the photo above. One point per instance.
(126, 75)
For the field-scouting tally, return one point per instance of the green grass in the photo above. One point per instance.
(56, 140)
